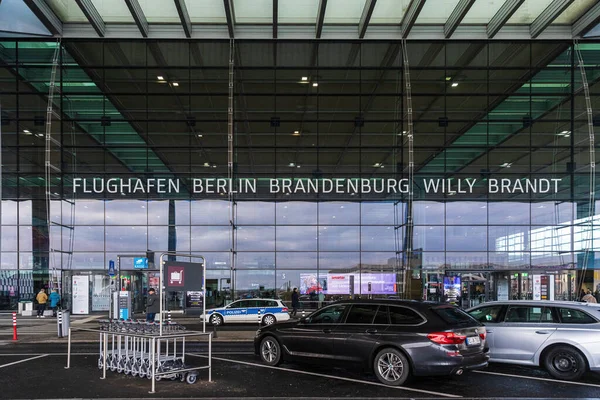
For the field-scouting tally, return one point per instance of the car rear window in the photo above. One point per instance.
(404, 316)
(573, 316)
(362, 314)
(454, 316)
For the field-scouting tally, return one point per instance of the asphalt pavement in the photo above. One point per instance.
(35, 370)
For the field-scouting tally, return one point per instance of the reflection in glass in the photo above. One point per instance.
(466, 238)
(88, 238)
(126, 212)
(296, 238)
(296, 213)
(210, 212)
(339, 213)
(429, 238)
(338, 238)
(126, 238)
(255, 238)
(380, 238)
(255, 213)
(210, 238)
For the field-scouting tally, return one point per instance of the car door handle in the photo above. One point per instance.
(326, 330)
(371, 331)
(542, 332)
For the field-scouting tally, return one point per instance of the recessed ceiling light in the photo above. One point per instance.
(175, 84)
(291, 164)
(199, 135)
(377, 165)
(160, 78)
(297, 166)
(305, 78)
(26, 131)
(448, 78)
(315, 84)
(296, 133)
(206, 164)
(506, 165)
(214, 166)
(454, 84)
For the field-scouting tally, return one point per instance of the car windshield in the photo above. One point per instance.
(454, 316)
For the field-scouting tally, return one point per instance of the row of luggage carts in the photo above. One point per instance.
(130, 351)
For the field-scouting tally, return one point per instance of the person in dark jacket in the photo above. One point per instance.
(152, 305)
(295, 302)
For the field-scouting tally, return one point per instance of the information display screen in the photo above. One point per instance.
(348, 283)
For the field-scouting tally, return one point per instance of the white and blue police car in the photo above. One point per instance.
(241, 311)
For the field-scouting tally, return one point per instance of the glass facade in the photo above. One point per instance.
(501, 125)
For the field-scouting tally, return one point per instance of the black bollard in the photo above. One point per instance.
(215, 331)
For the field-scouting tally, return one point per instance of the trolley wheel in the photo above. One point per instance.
(191, 378)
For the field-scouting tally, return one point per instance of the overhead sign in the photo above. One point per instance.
(140, 263)
(182, 276)
(111, 268)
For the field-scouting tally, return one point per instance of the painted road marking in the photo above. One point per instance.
(21, 361)
(538, 379)
(329, 376)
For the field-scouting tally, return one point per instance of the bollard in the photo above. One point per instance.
(258, 317)
(60, 324)
(214, 331)
(14, 326)
(303, 313)
(169, 316)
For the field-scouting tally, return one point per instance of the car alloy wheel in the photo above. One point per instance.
(391, 367)
(270, 351)
(216, 320)
(269, 320)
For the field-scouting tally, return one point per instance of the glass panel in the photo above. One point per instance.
(482, 11)
(113, 10)
(296, 213)
(88, 238)
(466, 238)
(255, 238)
(126, 238)
(339, 213)
(67, 11)
(436, 12)
(338, 238)
(160, 11)
(466, 213)
(574, 11)
(210, 212)
(211, 238)
(255, 213)
(529, 11)
(206, 11)
(255, 11)
(362, 314)
(9, 238)
(126, 212)
(297, 238)
(298, 11)
(404, 316)
(343, 11)
(9, 212)
(389, 11)
(379, 238)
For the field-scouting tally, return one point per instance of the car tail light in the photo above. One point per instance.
(446, 338)
(482, 335)
(284, 309)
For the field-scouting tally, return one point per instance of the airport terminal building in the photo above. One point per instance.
(423, 149)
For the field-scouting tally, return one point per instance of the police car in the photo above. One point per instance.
(271, 311)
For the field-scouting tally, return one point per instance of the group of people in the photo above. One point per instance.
(588, 296)
(42, 299)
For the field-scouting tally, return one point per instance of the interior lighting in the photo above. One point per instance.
(315, 84)
(377, 165)
(199, 135)
(291, 164)
(27, 132)
(296, 133)
(454, 84)
(565, 133)
(448, 78)
(305, 79)
(206, 164)
(297, 166)
(175, 84)
(506, 165)
(160, 78)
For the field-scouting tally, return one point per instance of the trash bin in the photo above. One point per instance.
(63, 322)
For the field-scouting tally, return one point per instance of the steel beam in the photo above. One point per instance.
(320, 18)
(587, 21)
(93, 16)
(459, 12)
(138, 16)
(547, 16)
(275, 17)
(502, 16)
(230, 15)
(412, 13)
(46, 16)
(186, 23)
(365, 18)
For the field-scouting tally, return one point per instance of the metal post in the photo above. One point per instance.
(60, 325)
(153, 354)
(69, 351)
(160, 298)
(203, 294)
(104, 356)
(215, 330)
(209, 357)
(14, 315)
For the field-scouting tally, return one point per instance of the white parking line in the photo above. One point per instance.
(538, 379)
(21, 361)
(329, 376)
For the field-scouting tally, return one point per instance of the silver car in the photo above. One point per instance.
(562, 337)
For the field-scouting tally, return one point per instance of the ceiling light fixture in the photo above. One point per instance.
(291, 164)
(315, 84)
(448, 78)
(305, 78)
(175, 84)
(506, 165)
(377, 165)
(454, 84)
(296, 133)
(206, 164)
(199, 135)
(160, 78)
(26, 131)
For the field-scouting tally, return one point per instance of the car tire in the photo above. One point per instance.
(270, 351)
(269, 320)
(391, 367)
(565, 363)
(216, 319)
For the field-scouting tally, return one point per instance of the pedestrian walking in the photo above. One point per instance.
(42, 299)
(152, 305)
(295, 302)
(589, 297)
(54, 301)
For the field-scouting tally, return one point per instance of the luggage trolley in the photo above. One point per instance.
(130, 350)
